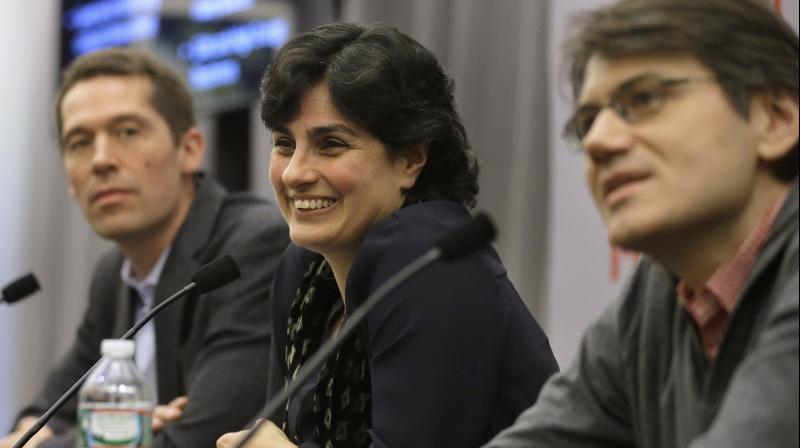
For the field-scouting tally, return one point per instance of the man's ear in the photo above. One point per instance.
(410, 163)
(776, 117)
(192, 150)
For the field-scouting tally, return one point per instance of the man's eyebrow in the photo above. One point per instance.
(619, 87)
(76, 130)
(114, 121)
(128, 117)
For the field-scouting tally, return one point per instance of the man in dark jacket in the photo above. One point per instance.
(132, 154)
(687, 116)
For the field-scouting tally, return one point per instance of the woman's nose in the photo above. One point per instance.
(301, 169)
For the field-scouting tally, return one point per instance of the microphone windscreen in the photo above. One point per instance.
(216, 274)
(467, 237)
(20, 288)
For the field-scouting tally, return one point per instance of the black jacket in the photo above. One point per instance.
(454, 354)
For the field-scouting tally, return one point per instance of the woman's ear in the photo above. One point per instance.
(776, 115)
(410, 163)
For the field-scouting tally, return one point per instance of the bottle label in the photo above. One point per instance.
(114, 426)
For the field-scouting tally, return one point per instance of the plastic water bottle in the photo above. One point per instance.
(115, 403)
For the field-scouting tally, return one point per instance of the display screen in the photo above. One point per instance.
(221, 46)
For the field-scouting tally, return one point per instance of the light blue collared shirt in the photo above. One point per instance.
(145, 356)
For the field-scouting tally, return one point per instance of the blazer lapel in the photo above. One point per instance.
(172, 325)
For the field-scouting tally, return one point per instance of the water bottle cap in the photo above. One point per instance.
(117, 348)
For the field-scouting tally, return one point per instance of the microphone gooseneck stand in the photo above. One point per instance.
(349, 325)
(209, 277)
(456, 243)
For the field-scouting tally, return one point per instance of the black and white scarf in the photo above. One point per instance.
(343, 395)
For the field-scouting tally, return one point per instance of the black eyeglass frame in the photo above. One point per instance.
(575, 130)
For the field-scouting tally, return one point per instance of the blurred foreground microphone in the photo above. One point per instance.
(209, 277)
(20, 288)
(458, 242)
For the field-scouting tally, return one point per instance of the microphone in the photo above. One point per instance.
(209, 277)
(216, 274)
(20, 288)
(467, 237)
(458, 242)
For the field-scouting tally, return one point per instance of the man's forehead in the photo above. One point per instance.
(105, 97)
(603, 75)
(138, 83)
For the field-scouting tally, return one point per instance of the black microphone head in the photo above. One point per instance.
(216, 274)
(467, 237)
(20, 288)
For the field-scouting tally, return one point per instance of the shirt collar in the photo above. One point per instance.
(129, 278)
(727, 282)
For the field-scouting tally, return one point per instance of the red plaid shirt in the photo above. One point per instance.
(711, 307)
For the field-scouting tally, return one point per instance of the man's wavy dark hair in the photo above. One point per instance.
(388, 83)
(747, 45)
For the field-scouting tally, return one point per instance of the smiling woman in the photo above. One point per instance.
(370, 163)
(322, 158)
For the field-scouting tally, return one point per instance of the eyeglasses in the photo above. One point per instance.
(634, 100)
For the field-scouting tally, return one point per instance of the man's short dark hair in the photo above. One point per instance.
(745, 43)
(385, 81)
(170, 96)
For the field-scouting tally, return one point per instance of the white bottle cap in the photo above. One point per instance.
(117, 348)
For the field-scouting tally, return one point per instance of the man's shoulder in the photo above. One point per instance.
(249, 228)
(788, 278)
(237, 217)
(249, 203)
(243, 211)
(409, 232)
(644, 305)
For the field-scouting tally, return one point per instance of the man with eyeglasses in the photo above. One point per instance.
(687, 119)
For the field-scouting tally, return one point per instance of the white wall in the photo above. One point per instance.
(26, 45)
(42, 229)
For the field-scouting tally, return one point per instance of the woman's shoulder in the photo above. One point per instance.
(405, 236)
(413, 229)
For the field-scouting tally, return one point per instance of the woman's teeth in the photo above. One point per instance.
(312, 204)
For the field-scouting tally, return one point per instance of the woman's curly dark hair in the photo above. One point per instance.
(388, 83)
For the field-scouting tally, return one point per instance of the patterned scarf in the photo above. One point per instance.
(343, 395)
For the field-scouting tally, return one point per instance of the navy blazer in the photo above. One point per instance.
(454, 354)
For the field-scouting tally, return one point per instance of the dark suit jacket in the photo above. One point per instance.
(454, 354)
(213, 348)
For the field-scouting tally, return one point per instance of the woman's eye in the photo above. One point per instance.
(332, 144)
(283, 144)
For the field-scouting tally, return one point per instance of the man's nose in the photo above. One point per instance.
(609, 135)
(104, 154)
